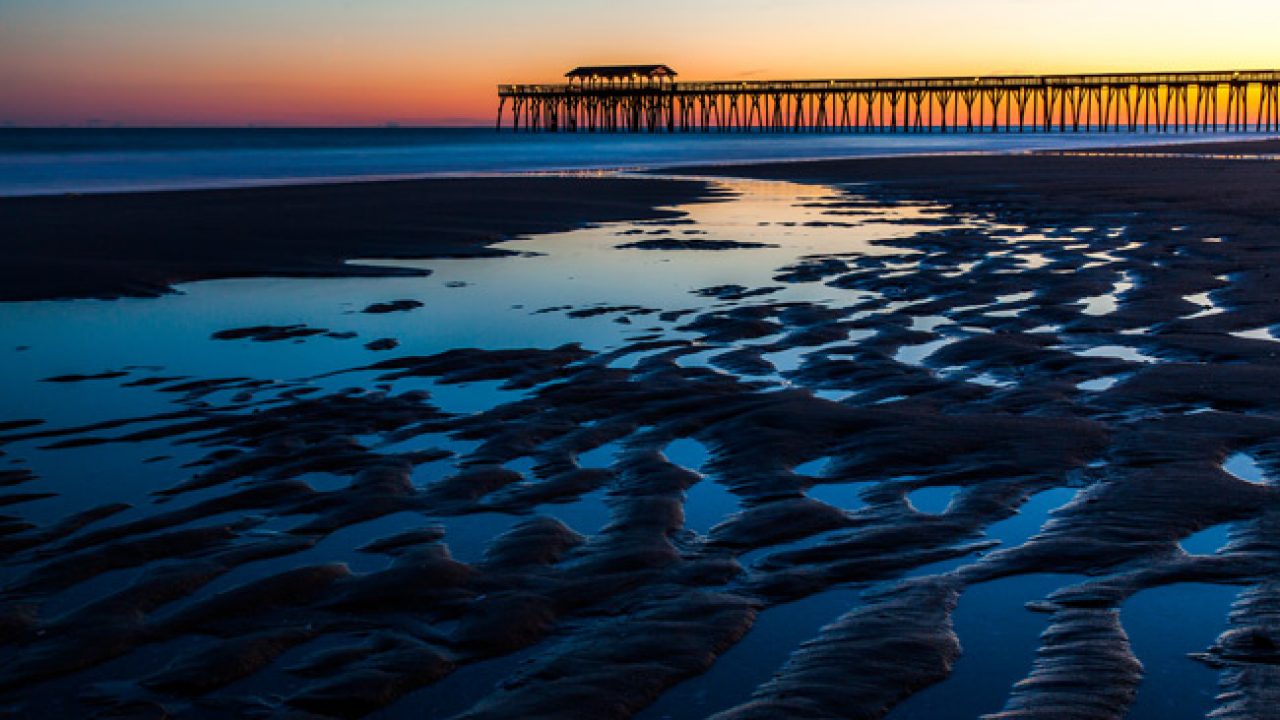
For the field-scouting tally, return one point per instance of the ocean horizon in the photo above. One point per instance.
(47, 161)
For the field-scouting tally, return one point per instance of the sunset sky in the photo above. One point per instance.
(369, 62)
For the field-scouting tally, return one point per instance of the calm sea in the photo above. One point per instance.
(43, 161)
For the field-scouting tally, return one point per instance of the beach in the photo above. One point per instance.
(139, 244)
(914, 437)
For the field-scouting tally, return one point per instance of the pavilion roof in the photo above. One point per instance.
(621, 71)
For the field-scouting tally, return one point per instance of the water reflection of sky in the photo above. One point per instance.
(999, 637)
(494, 309)
(1164, 625)
(490, 303)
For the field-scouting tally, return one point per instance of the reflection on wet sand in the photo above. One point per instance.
(860, 452)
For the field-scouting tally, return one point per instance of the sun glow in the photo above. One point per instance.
(438, 62)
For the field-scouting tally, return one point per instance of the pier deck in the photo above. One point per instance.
(652, 101)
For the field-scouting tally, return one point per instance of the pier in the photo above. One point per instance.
(647, 98)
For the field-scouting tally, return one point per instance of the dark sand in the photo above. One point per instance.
(1270, 146)
(140, 244)
(1222, 188)
(606, 624)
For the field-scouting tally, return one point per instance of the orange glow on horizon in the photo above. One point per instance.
(436, 62)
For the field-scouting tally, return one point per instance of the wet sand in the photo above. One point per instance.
(140, 244)
(1243, 148)
(1198, 285)
(1100, 330)
(1061, 182)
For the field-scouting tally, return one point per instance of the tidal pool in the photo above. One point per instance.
(998, 637)
(1174, 686)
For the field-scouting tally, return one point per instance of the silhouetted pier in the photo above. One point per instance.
(647, 98)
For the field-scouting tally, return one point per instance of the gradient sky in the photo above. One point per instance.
(369, 62)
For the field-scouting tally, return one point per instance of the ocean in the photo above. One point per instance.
(52, 161)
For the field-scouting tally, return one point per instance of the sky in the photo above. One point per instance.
(437, 62)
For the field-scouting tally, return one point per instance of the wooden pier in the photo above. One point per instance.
(647, 98)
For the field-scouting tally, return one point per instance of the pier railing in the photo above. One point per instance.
(1153, 102)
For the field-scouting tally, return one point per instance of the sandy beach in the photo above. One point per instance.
(140, 244)
(955, 414)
